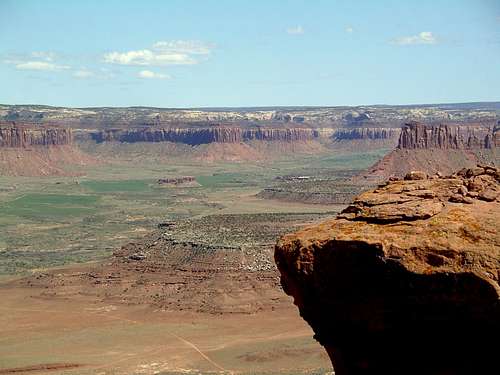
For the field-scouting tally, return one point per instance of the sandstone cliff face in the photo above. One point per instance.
(406, 279)
(13, 135)
(198, 136)
(39, 151)
(415, 135)
(219, 134)
(365, 133)
(433, 148)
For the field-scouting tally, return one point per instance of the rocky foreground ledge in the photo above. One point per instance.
(406, 279)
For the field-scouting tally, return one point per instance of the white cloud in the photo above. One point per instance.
(177, 52)
(83, 73)
(152, 75)
(349, 29)
(297, 30)
(147, 57)
(425, 37)
(44, 55)
(40, 65)
(38, 60)
(191, 47)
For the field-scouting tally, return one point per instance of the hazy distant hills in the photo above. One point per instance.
(381, 115)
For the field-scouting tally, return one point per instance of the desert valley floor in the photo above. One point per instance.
(94, 318)
(129, 245)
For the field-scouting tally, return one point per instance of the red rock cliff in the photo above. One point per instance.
(406, 279)
(196, 136)
(370, 133)
(19, 136)
(415, 135)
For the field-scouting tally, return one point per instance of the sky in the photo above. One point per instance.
(220, 53)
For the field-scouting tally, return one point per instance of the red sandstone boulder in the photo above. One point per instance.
(406, 279)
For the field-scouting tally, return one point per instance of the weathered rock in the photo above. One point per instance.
(203, 135)
(406, 279)
(14, 135)
(372, 133)
(417, 135)
(416, 175)
(439, 148)
(177, 180)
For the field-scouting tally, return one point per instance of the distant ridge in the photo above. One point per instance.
(461, 105)
(378, 115)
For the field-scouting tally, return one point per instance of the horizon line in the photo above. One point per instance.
(257, 107)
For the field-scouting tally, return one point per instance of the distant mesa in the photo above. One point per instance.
(16, 135)
(365, 133)
(203, 135)
(441, 147)
(406, 279)
(35, 150)
(415, 135)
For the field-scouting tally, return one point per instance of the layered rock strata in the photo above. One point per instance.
(406, 279)
(219, 134)
(415, 135)
(35, 150)
(18, 136)
(197, 136)
(370, 133)
(433, 148)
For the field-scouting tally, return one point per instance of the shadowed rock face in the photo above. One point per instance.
(197, 136)
(415, 135)
(365, 133)
(220, 134)
(18, 136)
(406, 279)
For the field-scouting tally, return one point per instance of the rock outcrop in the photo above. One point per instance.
(433, 148)
(370, 133)
(416, 135)
(14, 135)
(35, 150)
(406, 279)
(234, 134)
(175, 181)
(199, 135)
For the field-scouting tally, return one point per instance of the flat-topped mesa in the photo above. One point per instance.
(22, 136)
(197, 136)
(369, 133)
(406, 279)
(416, 135)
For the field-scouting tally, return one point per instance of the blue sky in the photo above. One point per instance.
(190, 53)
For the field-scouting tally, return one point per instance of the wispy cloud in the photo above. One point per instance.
(190, 47)
(40, 65)
(44, 55)
(41, 61)
(349, 29)
(83, 73)
(296, 30)
(424, 37)
(177, 52)
(148, 74)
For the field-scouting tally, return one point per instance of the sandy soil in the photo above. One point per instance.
(79, 335)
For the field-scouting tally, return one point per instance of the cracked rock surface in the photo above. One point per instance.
(406, 279)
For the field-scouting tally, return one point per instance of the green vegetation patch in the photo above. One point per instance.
(222, 179)
(118, 186)
(44, 206)
(357, 161)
